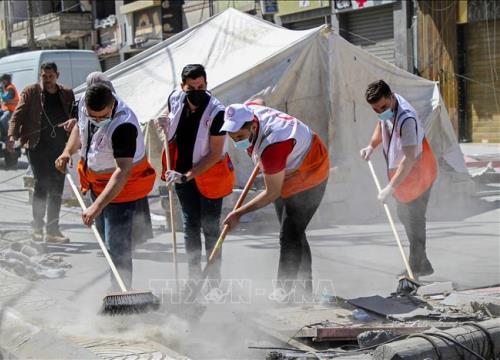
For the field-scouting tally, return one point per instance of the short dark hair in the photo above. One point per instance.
(377, 90)
(193, 71)
(98, 96)
(6, 77)
(49, 65)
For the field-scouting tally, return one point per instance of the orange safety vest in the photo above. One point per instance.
(314, 169)
(420, 178)
(10, 105)
(138, 186)
(215, 183)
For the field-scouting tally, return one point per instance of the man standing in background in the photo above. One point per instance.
(38, 121)
(10, 99)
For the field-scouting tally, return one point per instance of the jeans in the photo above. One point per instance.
(294, 214)
(115, 226)
(199, 212)
(48, 186)
(412, 215)
(4, 124)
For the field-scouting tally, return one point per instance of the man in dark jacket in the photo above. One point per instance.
(38, 121)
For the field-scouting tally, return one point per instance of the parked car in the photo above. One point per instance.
(73, 66)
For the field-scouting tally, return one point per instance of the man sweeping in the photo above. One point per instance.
(113, 167)
(295, 165)
(411, 165)
(201, 170)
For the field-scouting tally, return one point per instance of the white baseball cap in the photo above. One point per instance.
(235, 116)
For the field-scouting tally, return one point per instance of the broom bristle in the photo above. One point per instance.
(130, 302)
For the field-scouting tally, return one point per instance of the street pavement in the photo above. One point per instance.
(348, 261)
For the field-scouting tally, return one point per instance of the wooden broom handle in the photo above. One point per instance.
(391, 222)
(97, 235)
(238, 204)
(172, 214)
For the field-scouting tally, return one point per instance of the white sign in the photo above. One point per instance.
(349, 5)
(304, 3)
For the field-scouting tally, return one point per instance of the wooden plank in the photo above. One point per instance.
(351, 333)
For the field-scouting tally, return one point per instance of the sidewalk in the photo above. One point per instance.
(478, 155)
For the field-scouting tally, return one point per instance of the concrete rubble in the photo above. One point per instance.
(28, 259)
(335, 329)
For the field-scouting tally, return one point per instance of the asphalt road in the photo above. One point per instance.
(348, 261)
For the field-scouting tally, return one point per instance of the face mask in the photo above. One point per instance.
(386, 115)
(242, 144)
(196, 97)
(102, 123)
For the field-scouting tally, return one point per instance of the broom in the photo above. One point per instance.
(407, 284)
(125, 302)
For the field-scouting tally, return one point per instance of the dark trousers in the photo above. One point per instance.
(294, 214)
(412, 215)
(115, 225)
(199, 212)
(48, 186)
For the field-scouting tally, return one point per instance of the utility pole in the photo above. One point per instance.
(210, 8)
(31, 29)
(7, 23)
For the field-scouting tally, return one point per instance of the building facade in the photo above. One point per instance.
(458, 46)
(45, 25)
(382, 27)
(145, 23)
(452, 42)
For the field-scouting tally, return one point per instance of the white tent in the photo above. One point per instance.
(314, 75)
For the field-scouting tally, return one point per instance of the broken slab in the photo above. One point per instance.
(382, 306)
(476, 299)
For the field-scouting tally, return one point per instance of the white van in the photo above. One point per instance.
(73, 66)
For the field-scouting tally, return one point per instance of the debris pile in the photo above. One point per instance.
(29, 260)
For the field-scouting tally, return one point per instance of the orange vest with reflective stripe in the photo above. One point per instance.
(10, 105)
(138, 186)
(100, 165)
(424, 171)
(218, 181)
(420, 178)
(314, 169)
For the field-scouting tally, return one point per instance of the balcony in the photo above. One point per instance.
(56, 29)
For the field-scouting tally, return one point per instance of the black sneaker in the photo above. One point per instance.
(37, 234)
(56, 237)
